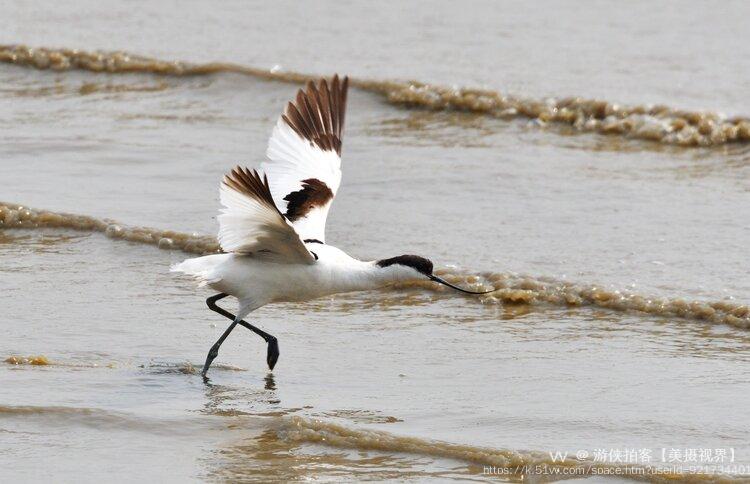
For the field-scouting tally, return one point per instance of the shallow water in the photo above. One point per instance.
(497, 383)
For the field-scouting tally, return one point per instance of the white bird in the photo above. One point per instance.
(272, 226)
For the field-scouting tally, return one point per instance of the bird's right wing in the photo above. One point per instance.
(250, 223)
(304, 155)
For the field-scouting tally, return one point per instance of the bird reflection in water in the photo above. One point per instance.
(229, 400)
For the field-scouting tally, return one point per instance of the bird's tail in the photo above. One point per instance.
(203, 269)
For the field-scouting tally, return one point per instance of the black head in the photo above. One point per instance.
(419, 264)
(423, 266)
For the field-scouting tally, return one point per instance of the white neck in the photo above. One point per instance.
(342, 273)
(362, 276)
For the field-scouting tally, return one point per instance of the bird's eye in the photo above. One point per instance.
(314, 255)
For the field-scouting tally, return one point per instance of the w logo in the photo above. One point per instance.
(558, 456)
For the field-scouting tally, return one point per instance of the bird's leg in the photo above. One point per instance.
(273, 344)
(214, 351)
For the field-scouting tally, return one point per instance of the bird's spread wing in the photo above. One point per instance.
(304, 156)
(250, 223)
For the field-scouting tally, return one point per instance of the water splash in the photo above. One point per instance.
(657, 123)
(509, 288)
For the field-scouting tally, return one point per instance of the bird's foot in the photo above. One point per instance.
(212, 354)
(273, 352)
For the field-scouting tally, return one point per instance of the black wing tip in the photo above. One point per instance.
(250, 182)
(241, 177)
(317, 112)
(343, 79)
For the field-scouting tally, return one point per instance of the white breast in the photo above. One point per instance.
(256, 282)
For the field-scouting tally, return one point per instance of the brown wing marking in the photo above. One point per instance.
(314, 193)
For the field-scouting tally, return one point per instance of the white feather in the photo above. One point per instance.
(292, 159)
(248, 226)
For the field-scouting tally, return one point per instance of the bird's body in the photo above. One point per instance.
(272, 226)
(257, 282)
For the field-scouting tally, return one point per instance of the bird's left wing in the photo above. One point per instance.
(304, 156)
(251, 224)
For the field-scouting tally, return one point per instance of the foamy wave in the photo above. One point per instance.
(107, 420)
(42, 360)
(509, 288)
(514, 288)
(36, 360)
(504, 463)
(18, 216)
(650, 122)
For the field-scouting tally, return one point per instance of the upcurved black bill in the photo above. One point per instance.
(446, 283)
